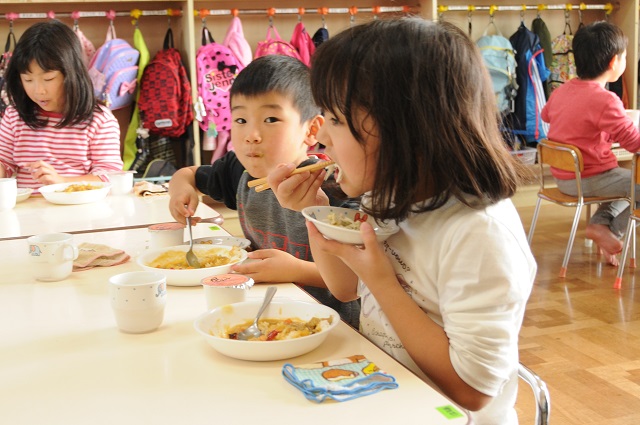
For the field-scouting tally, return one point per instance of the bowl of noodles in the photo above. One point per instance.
(172, 262)
(290, 328)
(343, 224)
(75, 193)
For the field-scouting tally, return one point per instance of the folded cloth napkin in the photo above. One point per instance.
(92, 255)
(341, 380)
(145, 188)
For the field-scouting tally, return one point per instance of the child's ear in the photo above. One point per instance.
(314, 126)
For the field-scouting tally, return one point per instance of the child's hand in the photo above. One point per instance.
(297, 191)
(267, 265)
(43, 172)
(369, 262)
(183, 203)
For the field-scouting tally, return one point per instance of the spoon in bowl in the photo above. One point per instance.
(192, 260)
(253, 331)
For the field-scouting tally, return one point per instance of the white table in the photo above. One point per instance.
(63, 361)
(36, 215)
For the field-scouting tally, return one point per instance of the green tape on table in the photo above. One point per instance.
(449, 412)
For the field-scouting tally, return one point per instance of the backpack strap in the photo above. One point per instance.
(168, 39)
(207, 38)
(10, 37)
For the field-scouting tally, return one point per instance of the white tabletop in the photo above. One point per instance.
(63, 361)
(37, 215)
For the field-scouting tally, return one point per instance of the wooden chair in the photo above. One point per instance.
(568, 158)
(634, 217)
(540, 392)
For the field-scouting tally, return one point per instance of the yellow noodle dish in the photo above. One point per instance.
(281, 329)
(79, 187)
(177, 260)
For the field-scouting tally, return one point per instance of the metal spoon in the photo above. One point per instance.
(253, 331)
(192, 260)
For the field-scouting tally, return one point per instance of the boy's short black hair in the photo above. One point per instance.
(281, 74)
(594, 46)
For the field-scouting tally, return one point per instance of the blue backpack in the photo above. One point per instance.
(499, 57)
(114, 73)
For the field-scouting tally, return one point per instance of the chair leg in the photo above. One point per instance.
(534, 221)
(628, 236)
(540, 392)
(572, 236)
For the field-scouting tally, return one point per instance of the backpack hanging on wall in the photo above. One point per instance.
(4, 62)
(499, 57)
(114, 70)
(563, 64)
(237, 43)
(301, 40)
(217, 68)
(88, 49)
(525, 121)
(275, 45)
(165, 102)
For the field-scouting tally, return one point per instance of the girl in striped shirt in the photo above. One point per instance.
(53, 130)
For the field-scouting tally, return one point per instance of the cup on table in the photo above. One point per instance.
(8, 193)
(166, 234)
(51, 256)
(138, 300)
(121, 182)
(225, 289)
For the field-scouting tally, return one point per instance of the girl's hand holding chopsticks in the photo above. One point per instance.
(297, 189)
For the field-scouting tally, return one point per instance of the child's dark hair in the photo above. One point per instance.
(594, 46)
(430, 98)
(54, 47)
(281, 74)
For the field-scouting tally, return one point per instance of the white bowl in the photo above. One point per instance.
(214, 323)
(187, 277)
(53, 193)
(318, 215)
(223, 240)
(23, 194)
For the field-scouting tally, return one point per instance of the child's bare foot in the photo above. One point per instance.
(604, 238)
(611, 259)
(608, 244)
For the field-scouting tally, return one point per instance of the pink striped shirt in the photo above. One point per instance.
(72, 151)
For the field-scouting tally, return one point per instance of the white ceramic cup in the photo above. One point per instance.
(121, 183)
(138, 300)
(225, 289)
(162, 235)
(8, 193)
(51, 256)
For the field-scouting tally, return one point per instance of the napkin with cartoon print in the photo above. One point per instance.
(341, 380)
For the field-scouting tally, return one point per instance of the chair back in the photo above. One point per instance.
(540, 393)
(561, 156)
(635, 171)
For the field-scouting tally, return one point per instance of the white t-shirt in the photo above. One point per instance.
(472, 271)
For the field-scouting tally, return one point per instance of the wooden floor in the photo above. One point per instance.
(579, 335)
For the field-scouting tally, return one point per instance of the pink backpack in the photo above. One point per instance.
(217, 68)
(275, 46)
(303, 43)
(236, 42)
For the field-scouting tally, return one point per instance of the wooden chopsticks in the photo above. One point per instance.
(261, 184)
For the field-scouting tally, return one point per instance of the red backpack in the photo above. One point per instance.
(165, 102)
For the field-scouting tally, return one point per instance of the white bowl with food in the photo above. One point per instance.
(75, 193)
(223, 240)
(300, 326)
(343, 224)
(23, 194)
(172, 262)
